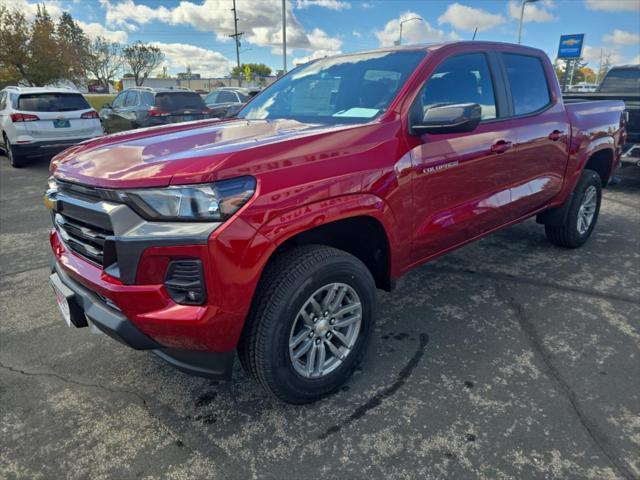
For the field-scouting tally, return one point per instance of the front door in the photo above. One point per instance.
(461, 179)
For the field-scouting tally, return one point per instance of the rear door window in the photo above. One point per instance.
(227, 97)
(132, 99)
(528, 82)
(52, 102)
(179, 101)
(118, 102)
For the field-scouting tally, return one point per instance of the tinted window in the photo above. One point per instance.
(461, 79)
(132, 99)
(2, 100)
(146, 98)
(226, 96)
(347, 89)
(528, 83)
(623, 80)
(118, 102)
(179, 100)
(52, 102)
(212, 97)
(243, 97)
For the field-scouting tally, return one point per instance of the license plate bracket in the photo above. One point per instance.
(67, 304)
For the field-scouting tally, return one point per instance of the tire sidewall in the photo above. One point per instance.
(337, 270)
(588, 179)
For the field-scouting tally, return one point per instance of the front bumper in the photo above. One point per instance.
(88, 306)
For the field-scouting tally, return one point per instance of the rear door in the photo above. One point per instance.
(461, 179)
(542, 127)
(59, 115)
(111, 118)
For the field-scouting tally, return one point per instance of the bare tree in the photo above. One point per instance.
(142, 59)
(104, 59)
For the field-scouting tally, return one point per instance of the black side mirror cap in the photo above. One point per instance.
(452, 118)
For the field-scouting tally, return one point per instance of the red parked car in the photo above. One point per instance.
(268, 234)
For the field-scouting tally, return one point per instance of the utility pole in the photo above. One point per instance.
(236, 37)
(284, 35)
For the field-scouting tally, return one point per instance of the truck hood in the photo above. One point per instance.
(152, 157)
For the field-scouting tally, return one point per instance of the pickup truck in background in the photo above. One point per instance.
(620, 83)
(267, 234)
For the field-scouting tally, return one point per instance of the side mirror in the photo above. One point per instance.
(457, 118)
(107, 106)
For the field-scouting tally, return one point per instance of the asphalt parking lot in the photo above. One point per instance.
(510, 358)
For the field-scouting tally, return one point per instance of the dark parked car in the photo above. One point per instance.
(620, 83)
(226, 99)
(146, 107)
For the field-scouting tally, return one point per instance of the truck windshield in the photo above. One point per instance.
(347, 89)
(621, 80)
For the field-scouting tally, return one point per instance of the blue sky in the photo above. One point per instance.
(195, 32)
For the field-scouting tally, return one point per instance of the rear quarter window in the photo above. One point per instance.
(51, 102)
(528, 82)
(179, 100)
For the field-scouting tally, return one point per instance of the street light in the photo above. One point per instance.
(524, 2)
(399, 42)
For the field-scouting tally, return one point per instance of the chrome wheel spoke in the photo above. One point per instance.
(341, 337)
(311, 360)
(304, 333)
(322, 354)
(328, 298)
(303, 349)
(335, 350)
(347, 309)
(345, 322)
(338, 300)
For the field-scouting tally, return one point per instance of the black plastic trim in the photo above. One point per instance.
(215, 365)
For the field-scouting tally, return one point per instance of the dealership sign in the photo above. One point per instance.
(571, 46)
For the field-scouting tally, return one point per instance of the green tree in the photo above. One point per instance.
(256, 69)
(74, 48)
(14, 54)
(45, 63)
(142, 59)
(104, 60)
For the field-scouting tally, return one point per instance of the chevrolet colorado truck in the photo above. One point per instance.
(267, 234)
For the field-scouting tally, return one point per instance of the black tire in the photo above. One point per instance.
(287, 283)
(568, 235)
(16, 161)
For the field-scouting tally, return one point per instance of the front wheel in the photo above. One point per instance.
(312, 315)
(582, 215)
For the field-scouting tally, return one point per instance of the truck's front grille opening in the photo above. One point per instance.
(86, 240)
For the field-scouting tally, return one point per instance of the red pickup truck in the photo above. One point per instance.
(267, 234)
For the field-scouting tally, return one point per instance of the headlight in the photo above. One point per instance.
(213, 202)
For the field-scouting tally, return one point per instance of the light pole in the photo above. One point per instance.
(524, 3)
(284, 36)
(399, 42)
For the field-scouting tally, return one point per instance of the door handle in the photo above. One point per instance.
(501, 146)
(555, 135)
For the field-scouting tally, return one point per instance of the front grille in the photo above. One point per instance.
(86, 240)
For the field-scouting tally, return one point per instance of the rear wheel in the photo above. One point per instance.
(312, 315)
(15, 160)
(582, 215)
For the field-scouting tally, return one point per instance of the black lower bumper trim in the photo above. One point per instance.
(105, 318)
(36, 149)
(217, 365)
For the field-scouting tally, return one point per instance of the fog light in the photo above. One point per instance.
(185, 282)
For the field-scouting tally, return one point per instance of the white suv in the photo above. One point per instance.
(43, 121)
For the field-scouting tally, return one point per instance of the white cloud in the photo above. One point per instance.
(416, 31)
(94, 30)
(620, 37)
(54, 7)
(613, 5)
(262, 25)
(467, 18)
(592, 55)
(635, 60)
(316, 54)
(532, 11)
(366, 5)
(208, 63)
(330, 4)
(356, 34)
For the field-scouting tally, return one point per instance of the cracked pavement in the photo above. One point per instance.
(509, 358)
